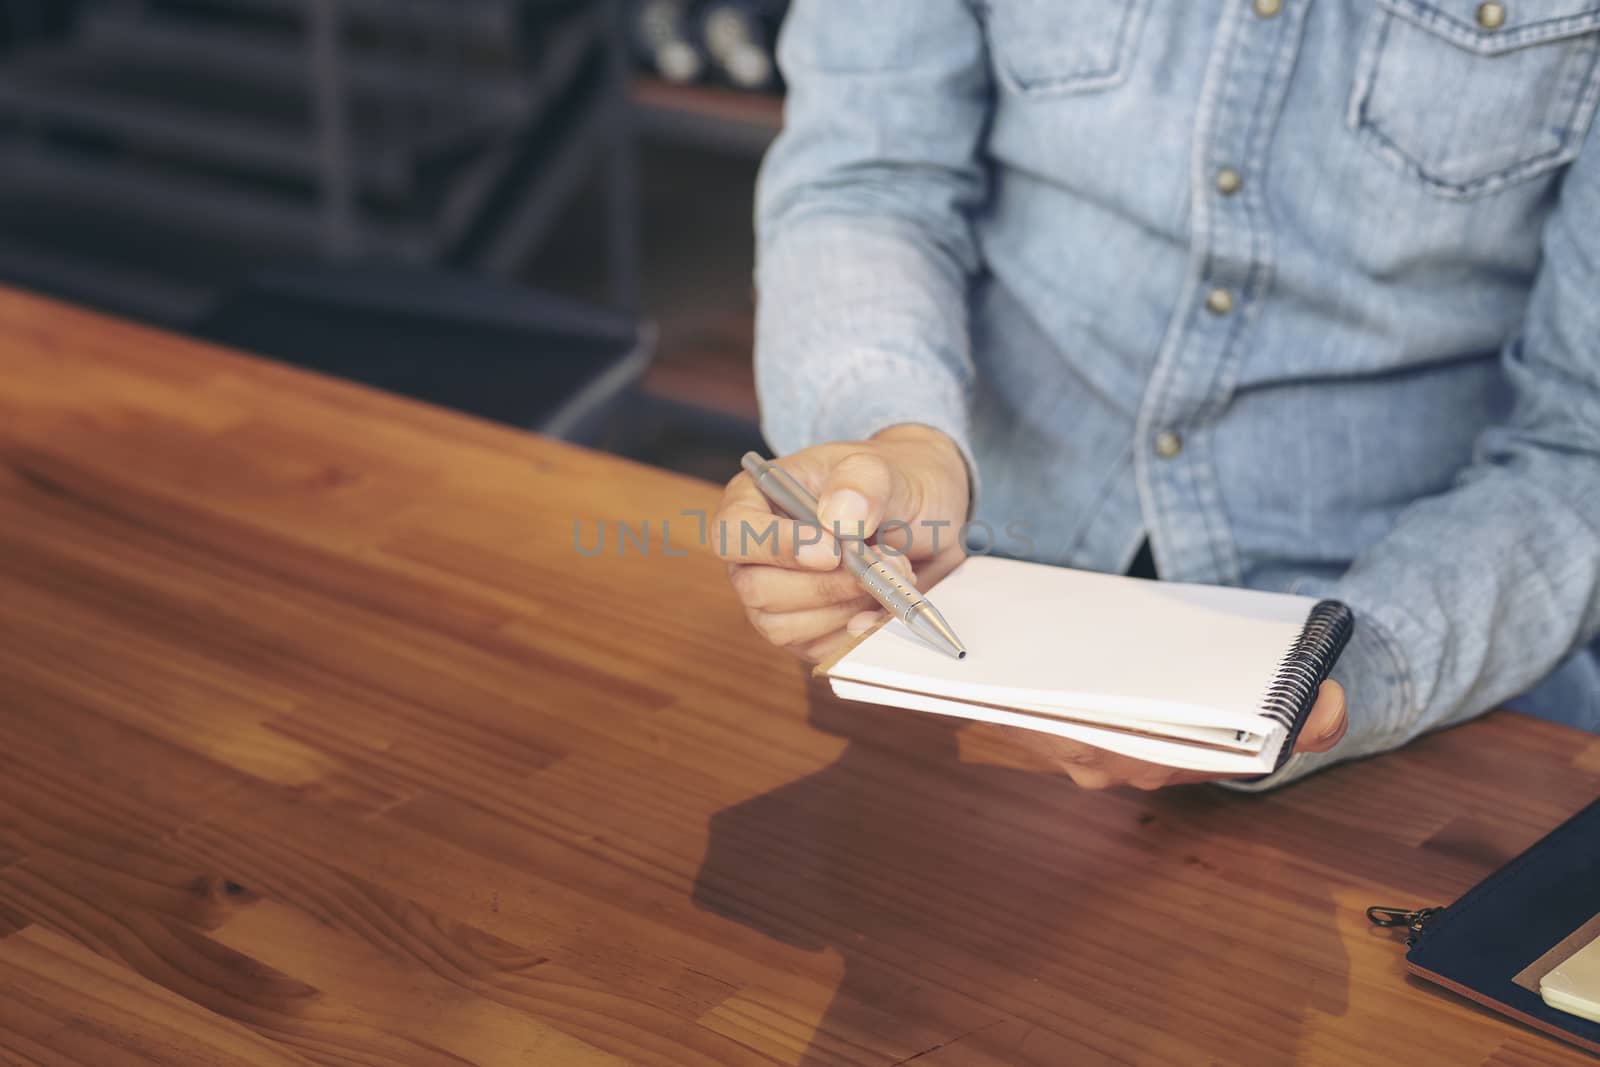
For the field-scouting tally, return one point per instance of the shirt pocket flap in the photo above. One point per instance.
(1049, 47)
(1519, 23)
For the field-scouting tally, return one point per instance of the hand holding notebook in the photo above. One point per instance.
(1205, 678)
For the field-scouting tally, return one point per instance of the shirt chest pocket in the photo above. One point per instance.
(1051, 47)
(1469, 96)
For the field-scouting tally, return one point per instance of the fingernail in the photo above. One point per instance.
(844, 509)
(819, 555)
(1330, 737)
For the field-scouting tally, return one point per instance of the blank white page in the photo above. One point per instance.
(1041, 635)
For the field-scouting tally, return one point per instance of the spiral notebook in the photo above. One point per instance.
(1200, 677)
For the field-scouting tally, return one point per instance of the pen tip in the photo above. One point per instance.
(926, 622)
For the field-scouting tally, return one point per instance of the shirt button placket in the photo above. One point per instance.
(1188, 517)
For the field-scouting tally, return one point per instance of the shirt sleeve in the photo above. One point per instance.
(1478, 593)
(864, 237)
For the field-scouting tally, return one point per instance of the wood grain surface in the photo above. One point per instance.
(322, 743)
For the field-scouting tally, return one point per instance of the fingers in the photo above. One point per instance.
(796, 609)
(1087, 766)
(793, 629)
(747, 530)
(1111, 770)
(860, 624)
(789, 574)
(1089, 778)
(823, 648)
(776, 590)
(931, 572)
(1097, 768)
(860, 489)
(1325, 727)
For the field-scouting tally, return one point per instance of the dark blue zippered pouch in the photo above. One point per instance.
(1480, 944)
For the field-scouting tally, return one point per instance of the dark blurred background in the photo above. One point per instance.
(537, 211)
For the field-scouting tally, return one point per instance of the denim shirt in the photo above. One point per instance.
(1306, 292)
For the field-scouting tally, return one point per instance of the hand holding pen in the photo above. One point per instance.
(796, 585)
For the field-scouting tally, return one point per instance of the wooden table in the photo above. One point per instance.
(321, 743)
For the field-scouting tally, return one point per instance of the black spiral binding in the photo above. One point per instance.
(1306, 664)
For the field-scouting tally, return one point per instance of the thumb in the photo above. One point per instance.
(1326, 725)
(861, 490)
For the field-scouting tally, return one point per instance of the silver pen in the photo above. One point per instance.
(899, 599)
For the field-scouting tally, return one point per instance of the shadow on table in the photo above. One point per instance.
(1000, 906)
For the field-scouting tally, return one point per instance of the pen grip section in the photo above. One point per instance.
(887, 587)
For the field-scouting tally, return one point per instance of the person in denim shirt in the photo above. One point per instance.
(1292, 294)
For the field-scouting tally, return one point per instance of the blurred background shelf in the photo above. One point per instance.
(166, 159)
(430, 132)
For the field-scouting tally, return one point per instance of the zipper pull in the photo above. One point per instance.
(1414, 921)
